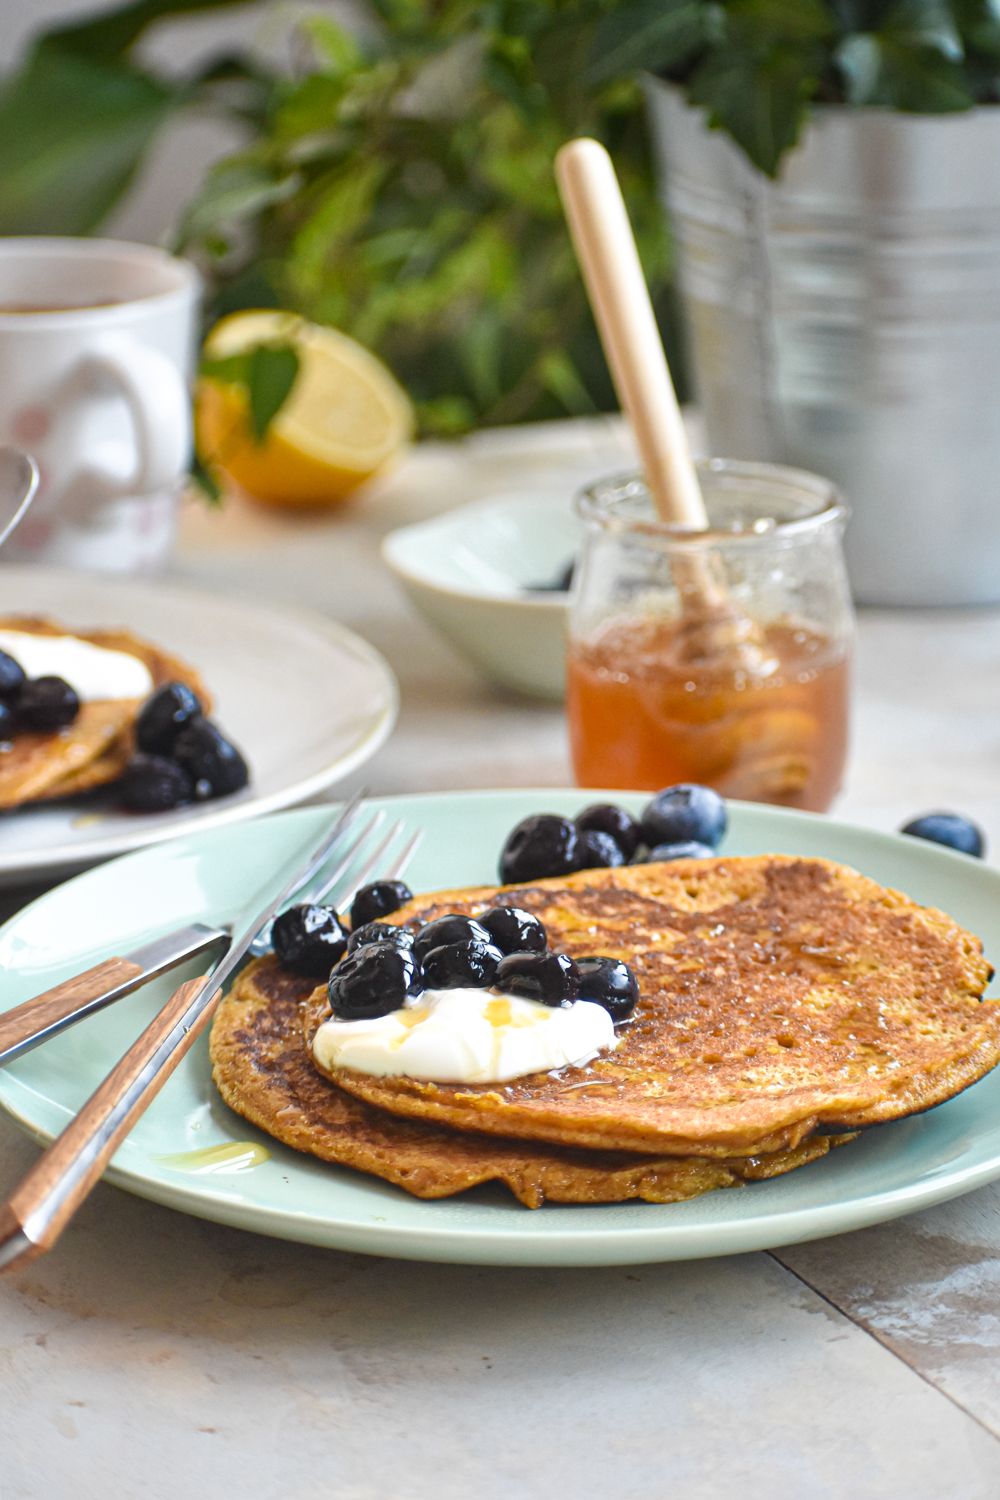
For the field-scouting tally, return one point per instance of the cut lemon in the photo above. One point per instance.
(345, 419)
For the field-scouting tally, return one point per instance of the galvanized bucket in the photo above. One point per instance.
(846, 319)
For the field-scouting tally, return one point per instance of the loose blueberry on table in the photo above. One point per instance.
(950, 829)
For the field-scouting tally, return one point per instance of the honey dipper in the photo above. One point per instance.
(619, 297)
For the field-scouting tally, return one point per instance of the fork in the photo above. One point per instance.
(35, 1214)
(47, 1014)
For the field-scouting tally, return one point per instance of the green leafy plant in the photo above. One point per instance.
(758, 66)
(396, 178)
(396, 182)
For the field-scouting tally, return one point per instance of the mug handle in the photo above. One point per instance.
(157, 396)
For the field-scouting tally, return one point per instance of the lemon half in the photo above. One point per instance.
(345, 419)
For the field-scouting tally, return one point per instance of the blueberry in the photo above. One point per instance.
(550, 978)
(685, 814)
(513, 930)
(151, 783)
(950, 829)
(610, 983)
(540, 845)
(164, 715)
(12, 676)
(379, 932)
(597, 851)
(454, 965)
(689, 850)
(8, 722)
(214, 764)
(309, 940)
(448, 929)
(377, 900)
(372, 981)
(47, 703)
(606, 817)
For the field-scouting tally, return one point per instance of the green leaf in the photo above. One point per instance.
(979, 24)
(761, 102)
(271, 375)
(211, 491)
(917, 79)
(776, 23)
(229, 369)
(235, 190)
(72, 134)
(337, 49)
(923, 23)
(657, 35)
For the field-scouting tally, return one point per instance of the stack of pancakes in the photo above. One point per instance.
(95, 749)
(784, 1004)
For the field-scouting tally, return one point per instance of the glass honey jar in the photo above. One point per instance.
(719, 656)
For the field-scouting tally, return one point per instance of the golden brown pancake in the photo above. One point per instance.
(776, 995)
(97, 746)
(262, 1067)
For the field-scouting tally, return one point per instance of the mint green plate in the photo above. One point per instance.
(890, 1170)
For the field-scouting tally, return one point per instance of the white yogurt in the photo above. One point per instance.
(467, 1036)
(95, 672)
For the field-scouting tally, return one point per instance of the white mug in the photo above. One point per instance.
(97, 350)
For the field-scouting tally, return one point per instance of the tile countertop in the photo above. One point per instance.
(155, 1355)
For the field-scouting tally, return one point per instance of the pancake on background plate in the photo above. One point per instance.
(95, 749)
(777, 995)
(263, 1069)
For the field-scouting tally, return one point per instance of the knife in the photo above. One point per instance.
(52, 1011)
(47, 1014)
(35, 1214)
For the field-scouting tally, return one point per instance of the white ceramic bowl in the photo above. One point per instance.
(468, 572)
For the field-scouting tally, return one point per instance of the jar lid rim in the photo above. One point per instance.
(599, 502)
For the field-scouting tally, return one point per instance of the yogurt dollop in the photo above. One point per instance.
(467, 1036)
(97, 673)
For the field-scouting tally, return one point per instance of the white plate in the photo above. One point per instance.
(305, 699)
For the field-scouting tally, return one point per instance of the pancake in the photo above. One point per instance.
(95, 749)
(262, 1067)
(777, 995)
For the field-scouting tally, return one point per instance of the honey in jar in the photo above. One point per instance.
(768, 723)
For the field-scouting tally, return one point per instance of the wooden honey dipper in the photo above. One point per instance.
(619, 298)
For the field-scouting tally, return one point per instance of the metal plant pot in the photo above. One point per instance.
(846, 319)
